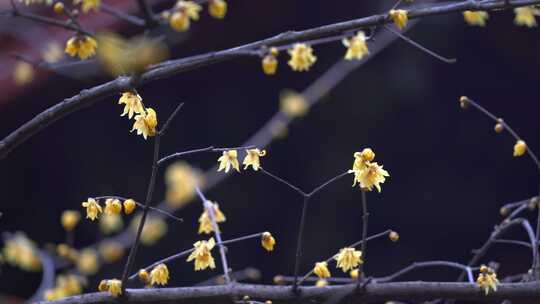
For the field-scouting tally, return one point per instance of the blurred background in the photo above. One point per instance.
(449, 171)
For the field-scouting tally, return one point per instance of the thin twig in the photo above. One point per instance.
(427, 264)
(122, 15)
(279, 179)
(299, 239)
(365, 217)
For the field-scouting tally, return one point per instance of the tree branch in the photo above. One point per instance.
(174, 67)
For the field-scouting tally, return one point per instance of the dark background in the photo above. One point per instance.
(450, 173)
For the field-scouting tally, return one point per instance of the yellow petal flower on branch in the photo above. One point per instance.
(20, 251)
(185, 12)
(58, 7)
(23, 73)
(70, 219)
(144, 276)
(253, 158)
(179, 21)
(113, 206)
(269, 64)
(321, 270)
(393, 236)
(321, 283)
(487, 279)
(93, 209)
(103, 285)
(203, 255)
(133, 104)
(227, 160)
(356, 46)
(129, 206)
(145, 123)
(82, 46)
(477, 18)
(302, 57)
(205, 222)
(520, 148)
(267, 241)
(217, 8)
(293, 104)
(88, 262)
(399, 17)
(372, 175)
(354, 273)
(87, 5)
(115, 287)
(159, 275)
(526, 16)
(348, 258)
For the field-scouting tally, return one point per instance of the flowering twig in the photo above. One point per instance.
(174, 67)
(188, 251)
(209, 207)
(418, 265)
(156, 209)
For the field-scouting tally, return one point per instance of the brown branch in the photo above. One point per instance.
(407, 291)
(174, 67)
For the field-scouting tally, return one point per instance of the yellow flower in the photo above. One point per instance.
(87, 5)
(115, 287)
(103, 285)
(520, 148)
(159, 275)
(227, 160)
(93, 209)
(526, 16)
(179, 21)
(143, 276)
(21, 251)
(191, 8)
(477, 18)
(487, 279)
(181, 180)
(393, 236)
(321, 283)
(205, 221)
(269, 64)
(67, 252)
(69, 219)
(113, 206)
(129, 206)
(371, 175)
(111, 251)
(110, 223)
(356, 46)
(302, 57)
(217, 8)
(154, 229)
(66, 285)
(348, 258)
(23, 73)
(202, 255)
(267, 241)
(293, 104)
(88, 262)
(354, 273)
(185, 11)
(133, 104)
(252, 158)
(399, 17)
(321, 270)
(145, 124)
(82, 46)
(52, 52)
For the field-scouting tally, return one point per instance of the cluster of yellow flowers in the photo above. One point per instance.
(348, 259)
(487, 279)
(82, 46)
(400, 18)
(20, 251)
(229, 159)
(112, 206)
(146, 118)
(66, 285)
(113, 286)
(205, 222)
(367, 174)
(184, 12)
(524, 16)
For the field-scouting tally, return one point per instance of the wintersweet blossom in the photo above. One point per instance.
(302, 57)
(267, 241)
(88, 262)
(145, 123)
(293, 104)
(270, 62)
(487, 279)
(129, 206)
(87, 5)
(113, 206)
(133, 104)
(356, 46)
(115, 287)
(526, 16)
(70, 219)
(321, 270)
(203, 255)
(253, 158)
(185, 12)
(399, 17)
(372, 175)
(227, 160)
(82, 46)
(205, 222)
(520, 148)
(477, 18)
(93, 209)
(348, 258)
(159, 275)
(217, 8)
